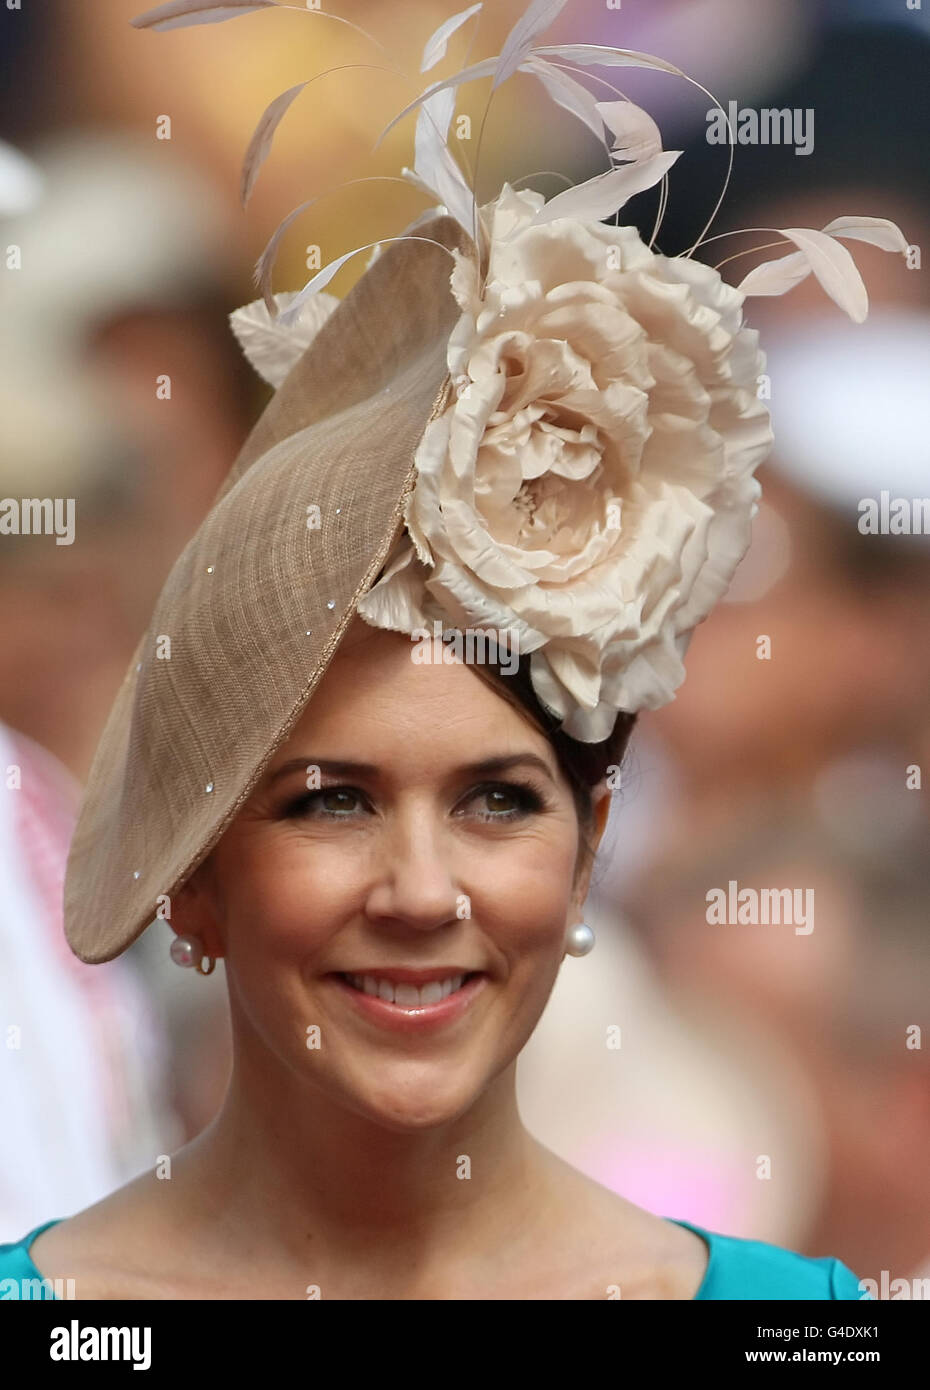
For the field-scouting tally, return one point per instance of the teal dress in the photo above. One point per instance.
(737, 1269)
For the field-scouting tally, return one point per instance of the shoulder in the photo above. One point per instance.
(103, 1251)
(608, 1247)
(752, 1269)
(19, 1277)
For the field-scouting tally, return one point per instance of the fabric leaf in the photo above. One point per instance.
(271, 348)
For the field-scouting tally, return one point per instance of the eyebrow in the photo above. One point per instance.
(339, 767)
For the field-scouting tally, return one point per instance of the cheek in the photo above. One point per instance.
(284, 895)
(522, 895)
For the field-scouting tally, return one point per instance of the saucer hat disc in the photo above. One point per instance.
(255, 607)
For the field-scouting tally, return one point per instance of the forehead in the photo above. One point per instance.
(374, 695)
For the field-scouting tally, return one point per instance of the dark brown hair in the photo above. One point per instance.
(584, 765)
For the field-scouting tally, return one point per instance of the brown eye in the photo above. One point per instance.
(334, 803)
(506, 801)
(498, 799)
(337, 799)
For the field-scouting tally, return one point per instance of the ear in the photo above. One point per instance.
(193, 913)
(601, 800)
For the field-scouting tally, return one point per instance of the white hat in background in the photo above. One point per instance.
(851, 410)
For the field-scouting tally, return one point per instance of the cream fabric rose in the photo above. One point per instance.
(590, 488)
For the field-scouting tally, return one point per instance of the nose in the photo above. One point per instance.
(413, 880)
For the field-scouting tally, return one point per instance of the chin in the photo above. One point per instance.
(412, 1105)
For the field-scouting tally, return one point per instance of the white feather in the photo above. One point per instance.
(289, 316)
(603, 195)
(434, 165)
(260, 144)
(636, 135)
(583, 54)
(776, 277)
(471, 74)
(567, 92)
(835, 268)
(538, 16)
(876, 230)
(830, 262)
(179, 13)
(589, 55)
(437, 43)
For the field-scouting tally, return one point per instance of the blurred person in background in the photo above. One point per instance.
(840, 605)
(122, 272)
(845, 998)
(119, 388)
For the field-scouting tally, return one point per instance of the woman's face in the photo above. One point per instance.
(439, 836)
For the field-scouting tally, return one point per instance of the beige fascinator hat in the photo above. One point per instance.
(522, 418)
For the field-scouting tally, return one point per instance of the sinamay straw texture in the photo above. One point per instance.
(341, 432)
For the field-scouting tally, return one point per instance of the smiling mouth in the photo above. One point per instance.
(406, 994)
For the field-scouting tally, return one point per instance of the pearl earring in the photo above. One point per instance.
(188, 951)
(579, 940)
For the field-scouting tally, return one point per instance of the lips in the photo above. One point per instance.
(410, 1000)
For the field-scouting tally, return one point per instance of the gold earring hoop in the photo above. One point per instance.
(209, 968)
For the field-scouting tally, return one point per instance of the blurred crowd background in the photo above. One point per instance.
(769, 1083)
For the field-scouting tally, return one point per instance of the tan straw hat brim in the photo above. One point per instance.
(258, 602)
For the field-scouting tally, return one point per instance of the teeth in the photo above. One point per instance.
(408, 996)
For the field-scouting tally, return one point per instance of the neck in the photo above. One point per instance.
(287, 1170)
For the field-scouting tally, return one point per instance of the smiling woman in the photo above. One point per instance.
(521, 420)
(392, 903)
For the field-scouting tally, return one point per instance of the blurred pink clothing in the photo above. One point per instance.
(82, 1058)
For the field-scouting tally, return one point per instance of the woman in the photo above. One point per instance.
(364, 753)
(390, 1161)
